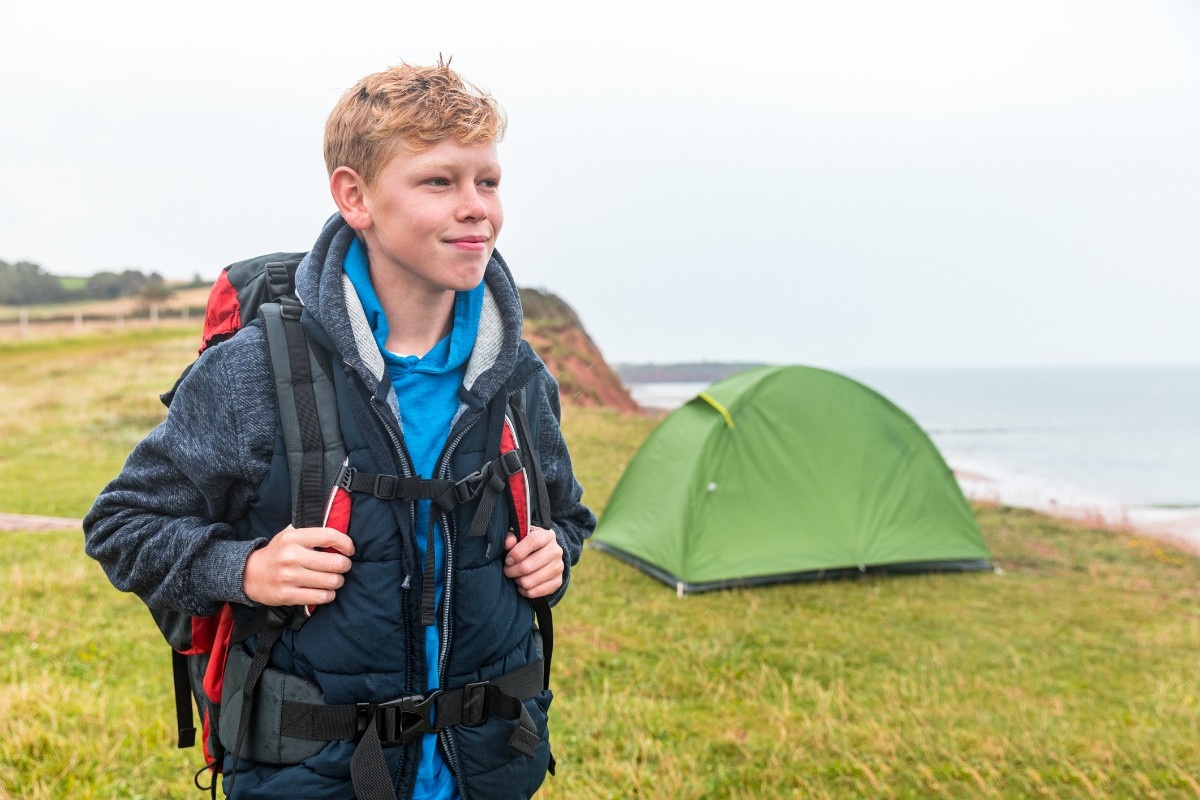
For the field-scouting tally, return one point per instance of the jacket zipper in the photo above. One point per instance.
(443, 472)
(449, 746)
(407, 471)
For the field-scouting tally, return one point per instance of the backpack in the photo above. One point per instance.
(262, 291)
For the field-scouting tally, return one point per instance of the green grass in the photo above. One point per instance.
(74, 407)
(1071, 675)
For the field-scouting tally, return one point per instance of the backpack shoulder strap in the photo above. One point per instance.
(312, 436)
(518, 402)
(312, 440)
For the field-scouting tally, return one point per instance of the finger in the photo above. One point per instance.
(534, 562)
(539, 584)
(544, 574)
(309, 597)
(549, 557)
(537, 539)
(297, 584)
(316, 579)
(323, 561)
(315, 538)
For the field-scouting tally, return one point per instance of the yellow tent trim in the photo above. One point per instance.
(708, 398)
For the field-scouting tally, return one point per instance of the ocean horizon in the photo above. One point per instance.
(1119, 444)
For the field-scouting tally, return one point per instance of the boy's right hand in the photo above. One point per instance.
(291, 571)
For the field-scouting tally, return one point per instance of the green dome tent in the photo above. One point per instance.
(785, 474)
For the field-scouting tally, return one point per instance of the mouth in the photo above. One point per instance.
(469, 242)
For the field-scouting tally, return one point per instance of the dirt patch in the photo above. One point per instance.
(35, 524)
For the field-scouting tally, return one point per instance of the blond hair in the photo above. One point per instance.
(416, 107)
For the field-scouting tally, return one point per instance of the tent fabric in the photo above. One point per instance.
(788, 473)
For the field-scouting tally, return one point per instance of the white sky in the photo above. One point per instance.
(851, 184)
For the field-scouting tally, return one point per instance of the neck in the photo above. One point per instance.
(418, 316)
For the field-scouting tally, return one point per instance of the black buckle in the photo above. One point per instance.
(346, 476)
(469, 487)
(385, 487)
(399, 721)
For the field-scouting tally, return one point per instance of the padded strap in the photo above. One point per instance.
(298, 414)
(266, 640)
(517, 401)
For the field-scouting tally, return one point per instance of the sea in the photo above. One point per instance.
(1118, 445)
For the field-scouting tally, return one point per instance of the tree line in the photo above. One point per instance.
(26, 283)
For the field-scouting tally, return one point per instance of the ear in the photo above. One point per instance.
(349, 192)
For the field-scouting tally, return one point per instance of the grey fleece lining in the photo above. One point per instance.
(488, 340)
(364, 339)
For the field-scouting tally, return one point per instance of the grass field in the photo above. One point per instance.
(1072, 674)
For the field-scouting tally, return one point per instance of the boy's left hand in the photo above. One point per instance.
(535, 563)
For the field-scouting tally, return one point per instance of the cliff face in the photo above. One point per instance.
(584, 377)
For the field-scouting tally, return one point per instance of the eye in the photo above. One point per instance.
(490, 183)
(438, 181)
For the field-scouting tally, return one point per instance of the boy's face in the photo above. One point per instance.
(434, 216)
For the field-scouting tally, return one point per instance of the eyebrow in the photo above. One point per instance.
(448, 166)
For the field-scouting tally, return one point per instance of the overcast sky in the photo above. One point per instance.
(852, 184)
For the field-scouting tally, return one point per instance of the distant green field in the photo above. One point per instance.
(72, 283)
(1071, 675)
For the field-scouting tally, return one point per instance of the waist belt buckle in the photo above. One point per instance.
(402, 720)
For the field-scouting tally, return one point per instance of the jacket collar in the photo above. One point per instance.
(330, 300)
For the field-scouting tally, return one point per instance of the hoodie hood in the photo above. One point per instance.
(331, 302)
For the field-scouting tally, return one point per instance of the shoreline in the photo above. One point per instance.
(992, 483)
(1177, 526)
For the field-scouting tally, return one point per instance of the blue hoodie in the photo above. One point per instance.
(427, 393)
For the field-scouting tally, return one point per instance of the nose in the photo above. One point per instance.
(471, 205)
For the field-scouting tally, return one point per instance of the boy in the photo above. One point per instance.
(422, 322)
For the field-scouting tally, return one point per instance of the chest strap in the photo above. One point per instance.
(488, 484)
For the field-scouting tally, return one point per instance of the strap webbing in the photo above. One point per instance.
(428, 583)
(487, 484)
(184, 719)
(545, 623)
(469, 705)
(405, 719)
(393, 487)
(369, 770)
